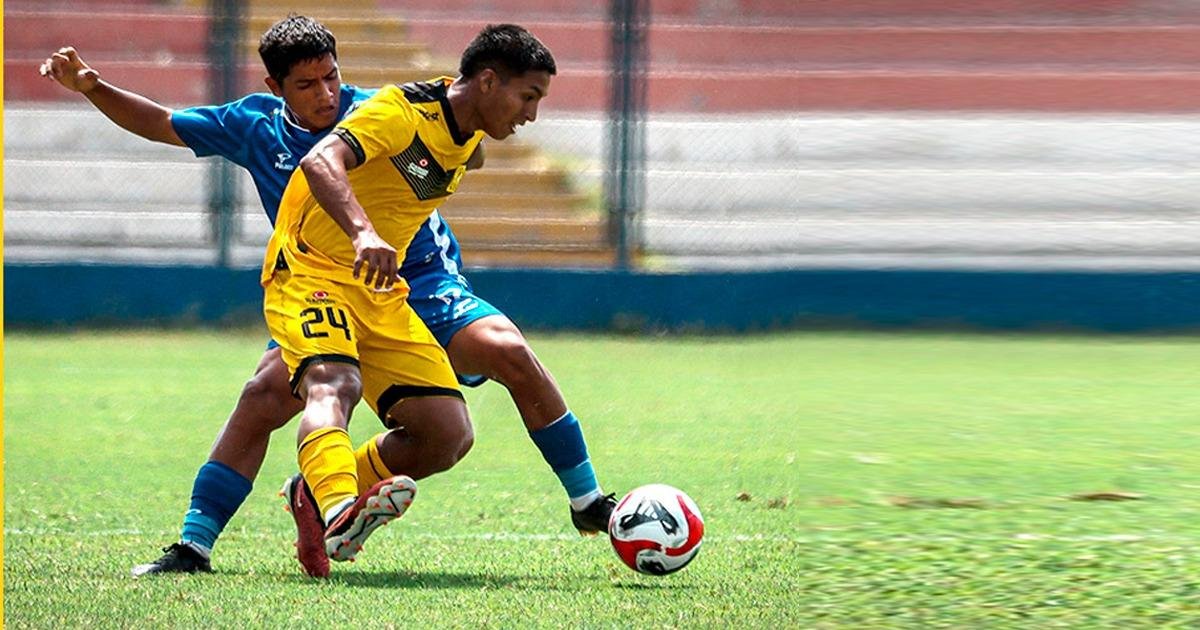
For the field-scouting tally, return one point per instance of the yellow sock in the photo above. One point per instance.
(371, 469)
(326, 459)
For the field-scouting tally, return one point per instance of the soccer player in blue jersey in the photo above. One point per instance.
(268, 134)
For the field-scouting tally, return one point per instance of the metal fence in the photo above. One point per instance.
(718, 188)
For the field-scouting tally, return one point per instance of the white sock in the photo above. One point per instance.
(578, 503)
(337, 509)
(197, 547)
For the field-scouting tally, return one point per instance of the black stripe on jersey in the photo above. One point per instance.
(424, 91)
(396, 393)
(424, 175)
(429, 92)
(355, 145)
(314, 359)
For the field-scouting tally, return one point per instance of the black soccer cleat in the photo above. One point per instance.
(593, 519)
(179, 558)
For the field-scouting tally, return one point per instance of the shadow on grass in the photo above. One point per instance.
(651, 586)
(409, 579)
(465, 581)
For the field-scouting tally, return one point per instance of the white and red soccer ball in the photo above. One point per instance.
(656, 529)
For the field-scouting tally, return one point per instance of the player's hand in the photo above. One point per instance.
(68, 69)
(379, 259)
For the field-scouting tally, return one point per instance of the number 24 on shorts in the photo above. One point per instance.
(334, 317)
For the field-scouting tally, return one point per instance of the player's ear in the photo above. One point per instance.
(274, 86)
(488, 80)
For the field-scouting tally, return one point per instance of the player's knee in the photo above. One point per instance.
(513, 360)
(269, 400)
(453, 442)
(326, 383)
(466, 440)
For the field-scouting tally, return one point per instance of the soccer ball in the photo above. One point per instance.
(656, 529)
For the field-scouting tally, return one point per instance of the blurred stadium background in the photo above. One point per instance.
(997, 164)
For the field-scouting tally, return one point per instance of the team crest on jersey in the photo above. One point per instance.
(417, 170)
(424, 175)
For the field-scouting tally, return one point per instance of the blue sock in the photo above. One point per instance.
(217, 493)
(562, 446)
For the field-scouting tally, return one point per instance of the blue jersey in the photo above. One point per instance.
(255, 133)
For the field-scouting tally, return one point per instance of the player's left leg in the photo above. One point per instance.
(494, 347)
(225, 480)
(482, 343)
(432, 434)
(410, 384)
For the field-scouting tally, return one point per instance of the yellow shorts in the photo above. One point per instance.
(316, 320)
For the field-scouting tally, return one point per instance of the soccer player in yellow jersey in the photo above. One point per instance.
(333, 299)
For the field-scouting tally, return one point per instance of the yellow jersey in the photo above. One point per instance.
(411, 156)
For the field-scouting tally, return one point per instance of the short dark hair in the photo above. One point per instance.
(508, 50)
(291, 40)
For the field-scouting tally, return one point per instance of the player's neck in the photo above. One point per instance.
(465, 114)
(290, 117)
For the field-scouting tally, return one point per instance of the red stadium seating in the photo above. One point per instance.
(713, 56)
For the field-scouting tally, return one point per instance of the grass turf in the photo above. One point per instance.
(846, 480)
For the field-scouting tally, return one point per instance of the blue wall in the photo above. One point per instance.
(57, 295)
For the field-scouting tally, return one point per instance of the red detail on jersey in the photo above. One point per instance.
(695, 530)
(423, 162)
(320, 295)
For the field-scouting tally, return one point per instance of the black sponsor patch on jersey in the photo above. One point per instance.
(424, 175)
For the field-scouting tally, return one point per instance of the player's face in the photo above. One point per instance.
(312, 91)
(512, 103)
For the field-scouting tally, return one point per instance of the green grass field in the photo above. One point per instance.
(846, 480)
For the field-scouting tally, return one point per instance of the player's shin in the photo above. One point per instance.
(217, 493)
(326, 458)
(562, 446)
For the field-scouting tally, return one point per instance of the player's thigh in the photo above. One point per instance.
(488, 346)
(313, 320)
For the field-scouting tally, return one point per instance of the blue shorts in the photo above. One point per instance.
(446, 303)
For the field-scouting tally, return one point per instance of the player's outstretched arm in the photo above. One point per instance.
(132, 112)
(325, 168)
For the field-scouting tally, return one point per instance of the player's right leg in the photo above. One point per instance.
(266, 404)
(408, 382)
(222, 484)
(318, 327)
(327, 461)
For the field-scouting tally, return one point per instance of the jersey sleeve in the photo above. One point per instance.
(380, 126)
(215, 129)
